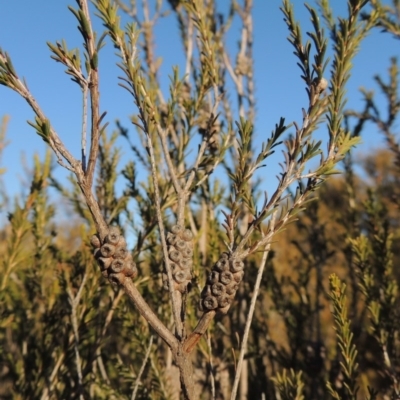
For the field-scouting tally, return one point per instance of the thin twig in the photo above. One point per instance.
(176, 297)
(74, 301)
(189, 50)
(212, 378)
(84, 124)
(139, 377)
(94, 95)
(249, 319)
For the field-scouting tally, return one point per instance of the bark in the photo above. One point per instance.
(184, 363)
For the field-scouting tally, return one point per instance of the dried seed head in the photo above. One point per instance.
(238, 276)
(223, 301)
(224, 256)
(187, 235)
(107, 250)
(226, 277)
(117, 265)
(180, 245)
(171, 238)
(218, 289)
(210, 303)
(176, 229)
(130, 269)
(95, 241)
(113, 235)
(180, 276)
(121, 242)
(222, 265)
(231, 289)
(236, 265)
(185, 263)
(174, 266)
(174, 255)
(187, 253)
(121, 252)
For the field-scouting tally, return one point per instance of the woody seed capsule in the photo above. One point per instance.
(225, 277)
(237, 265)
(217, 289)
(180, 276)
(210, 303)
(187, 235)
(130, 269)
(121, 252)
(223, 301)
(174, 255)
(95, 241)
(113, 235)
(117, 265)
(176, 229)
(107, 250)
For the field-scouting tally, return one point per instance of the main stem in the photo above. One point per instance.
(184, 363)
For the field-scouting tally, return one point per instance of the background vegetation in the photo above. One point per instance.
(319, 319)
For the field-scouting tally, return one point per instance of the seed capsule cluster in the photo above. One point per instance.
(113, 257)
(222, 284)
(180, 254)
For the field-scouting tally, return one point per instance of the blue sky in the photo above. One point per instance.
(26, 26)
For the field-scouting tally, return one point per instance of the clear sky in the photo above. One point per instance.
(26, 25)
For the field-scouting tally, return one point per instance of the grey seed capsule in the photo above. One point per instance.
(174, 255)
(117, 265)
(121, 242)
(226, 277)
(130, 270)
(104, 262)
(223, 301)
(237, 265)
(95, 241)
(231, 289)
(185, 263)
(180, 245)
(180, 276)
(171, 238)
(115, 279)
(238, 276)
(107, 250)
(113, 235)
(187, 235)
(210, 303)
(222, 265)
(187, 253)
(121, 252)
(176, 229)
(218, 289)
